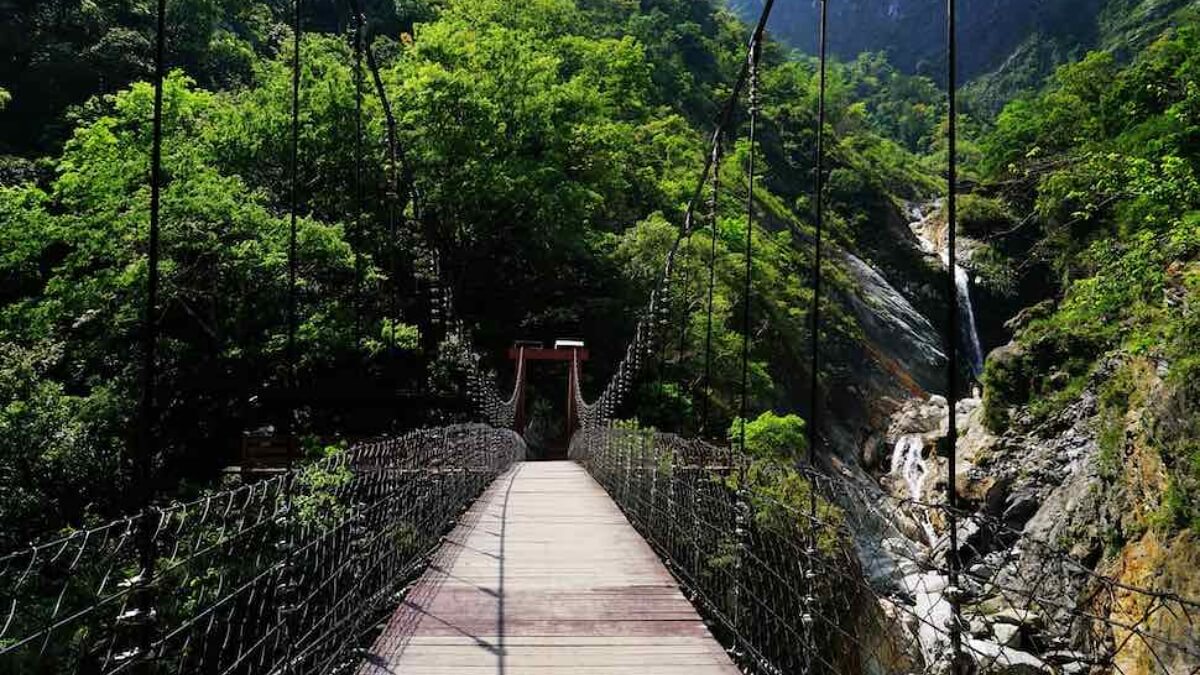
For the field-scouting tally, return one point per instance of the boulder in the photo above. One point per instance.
(1007, 635)
(1000, 660)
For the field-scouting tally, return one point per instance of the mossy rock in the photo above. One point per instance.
(980, 216)
(1006, 384)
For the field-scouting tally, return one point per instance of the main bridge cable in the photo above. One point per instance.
(289, 583)
(610, 399)
(498, 412)
(518, 386)
(953, 591)
(143, 618)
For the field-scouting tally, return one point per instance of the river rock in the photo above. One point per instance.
(1001, 660)
(1020, 509)
(1007, 634)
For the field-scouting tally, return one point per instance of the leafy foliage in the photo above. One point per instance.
(1107, 159)
(551, 148)
(771, 436)
(72, 312)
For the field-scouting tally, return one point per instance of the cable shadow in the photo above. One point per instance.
(500, 627)
(386, 656)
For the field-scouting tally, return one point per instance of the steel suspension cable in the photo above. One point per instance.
(811, 575)
(144, 457)
(294, 204)
(952, 331)
(714, 216)
(747, 280)
(288, 607)
(818, 252)
(288, 584)
(662, 325)
(685, 313)
(359, 200)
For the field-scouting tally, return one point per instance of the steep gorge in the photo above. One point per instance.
(1079, 462)
(1079, 243)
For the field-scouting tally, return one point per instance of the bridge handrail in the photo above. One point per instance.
(849, 590)
(241, 584)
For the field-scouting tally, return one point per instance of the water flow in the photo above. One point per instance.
(970, 335)
(909, 464)
(974, 351)
(928, 587)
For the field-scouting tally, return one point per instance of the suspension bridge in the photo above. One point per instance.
(444, 551)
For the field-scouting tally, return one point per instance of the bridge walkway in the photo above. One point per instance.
(544, 575)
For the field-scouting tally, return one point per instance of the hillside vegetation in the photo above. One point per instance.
(550, 148)
(552, 144)
(1104, 162)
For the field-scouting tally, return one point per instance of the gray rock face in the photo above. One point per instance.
(894, 327)
(1034, 488)
(899, 356)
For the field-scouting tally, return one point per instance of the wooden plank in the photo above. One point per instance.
(544, 575)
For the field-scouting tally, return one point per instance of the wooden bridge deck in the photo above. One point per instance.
(544, 576)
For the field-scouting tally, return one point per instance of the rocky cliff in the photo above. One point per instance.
(1073, 560)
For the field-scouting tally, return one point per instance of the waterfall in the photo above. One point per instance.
(967, 314)
(921, 227)
(909, 464)
(927, 588)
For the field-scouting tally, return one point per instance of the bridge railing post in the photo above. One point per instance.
(443, 477)
(694, 509)
(627, 457)
(671, 478)
(641, 491)
(654, 462)
(741, 535)
(137, 620)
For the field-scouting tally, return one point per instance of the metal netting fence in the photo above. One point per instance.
(851, 587)
(242, 584)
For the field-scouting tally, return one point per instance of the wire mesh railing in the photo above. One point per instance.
(863, 586)
(242, 585)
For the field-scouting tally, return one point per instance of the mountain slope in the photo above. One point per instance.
(1007, 46)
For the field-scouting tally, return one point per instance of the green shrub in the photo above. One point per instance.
(772, 436)
(1006, 381)
(979, 216)
(995, 271)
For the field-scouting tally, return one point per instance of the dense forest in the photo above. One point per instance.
(574, 128)
(550, 148)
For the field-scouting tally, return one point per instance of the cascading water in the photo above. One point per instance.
(921, 226)
(909, 464)
(927, 587)
(970, 333)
